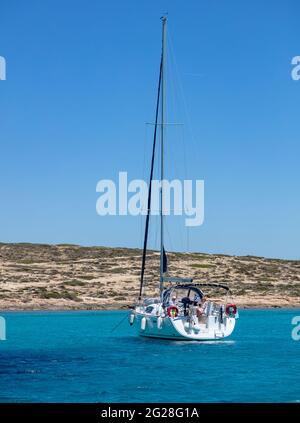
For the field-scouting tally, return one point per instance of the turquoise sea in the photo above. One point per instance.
(75, 357)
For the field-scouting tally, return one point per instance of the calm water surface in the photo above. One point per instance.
(74, 357)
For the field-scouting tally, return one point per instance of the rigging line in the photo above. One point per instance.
(152, 243)
(169, 237)
(183, 96)
(175, 100)
(172, 104)
(172, 55)
(172, 91)
(155, 217)
(143, 178)
(172, 58)
(118, 324)
(156, 234)
(168, 165)
(185, 177)
(150, 179)
(187, 229)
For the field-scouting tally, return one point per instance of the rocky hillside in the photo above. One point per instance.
(37, 276)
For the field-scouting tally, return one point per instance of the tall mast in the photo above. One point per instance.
(164, 20)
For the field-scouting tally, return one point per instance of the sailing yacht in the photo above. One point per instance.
(182, 310)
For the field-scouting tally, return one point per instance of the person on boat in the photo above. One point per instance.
(173, 301)
(201, 310)
(197, 299)
(204, 304)
(204, 300)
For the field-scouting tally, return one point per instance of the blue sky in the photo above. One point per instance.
(81, 83)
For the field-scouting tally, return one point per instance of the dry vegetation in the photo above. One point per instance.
(36, 276)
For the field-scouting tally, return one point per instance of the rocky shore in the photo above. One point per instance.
(62, 277)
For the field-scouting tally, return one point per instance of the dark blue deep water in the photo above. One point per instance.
(74, 357)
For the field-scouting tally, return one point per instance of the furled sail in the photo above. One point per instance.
(165, 261)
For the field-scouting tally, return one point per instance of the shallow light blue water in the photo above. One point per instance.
(74, 357)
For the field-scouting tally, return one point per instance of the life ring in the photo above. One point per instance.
(172, 311)
(231, 310)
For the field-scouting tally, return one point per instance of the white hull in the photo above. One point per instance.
(183, 327)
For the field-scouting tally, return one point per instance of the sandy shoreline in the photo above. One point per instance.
(70, 277)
